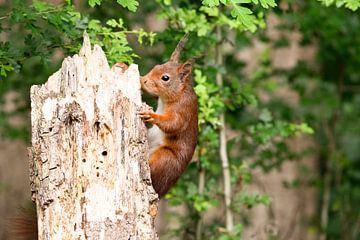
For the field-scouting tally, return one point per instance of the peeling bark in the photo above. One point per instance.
(88, 162)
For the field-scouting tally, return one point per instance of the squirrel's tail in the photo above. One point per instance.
(24, 225)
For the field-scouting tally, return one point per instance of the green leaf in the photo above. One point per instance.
(92, 3)
(111, 23)
(116, 24)
(267, 3)
(244, 15)
(4, 69)
(211, 3)
(265, 115)
(327, 2)
(40, 6)
(253, 199)
(211, 11)
(352, 4)
(303, 127)
(244, 1)
(94, 24)
(129, 4)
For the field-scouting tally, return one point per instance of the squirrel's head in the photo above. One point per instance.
(171, 78)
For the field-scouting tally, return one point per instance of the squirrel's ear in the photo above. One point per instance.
(185, 70)
(176, 54)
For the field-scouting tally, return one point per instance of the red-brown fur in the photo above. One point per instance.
(178, 122)
(24, 225)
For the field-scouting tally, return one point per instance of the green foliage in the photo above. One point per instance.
(250, 200)
(263, 129)
(132, 5)
(212, 13)
(60, 26)
(245, 16)
(209, 100)
(39, 40)
(351, 4)
(92, 3)
(45, 30)
(329, 104)
(5, 68)
(112, 38)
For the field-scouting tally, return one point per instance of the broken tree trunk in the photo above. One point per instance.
(88, 162)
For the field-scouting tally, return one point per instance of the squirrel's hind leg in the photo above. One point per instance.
(165, 169)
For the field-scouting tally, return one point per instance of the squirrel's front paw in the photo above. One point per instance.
(147, 116)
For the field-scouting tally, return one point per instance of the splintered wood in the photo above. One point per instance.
(88, 162)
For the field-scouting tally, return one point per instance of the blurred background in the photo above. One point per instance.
(279, 80)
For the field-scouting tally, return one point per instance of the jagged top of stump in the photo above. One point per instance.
(86, 74)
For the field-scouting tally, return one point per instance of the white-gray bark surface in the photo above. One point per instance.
(88, 161)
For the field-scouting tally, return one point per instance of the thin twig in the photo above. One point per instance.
(223, 153)
(201, 187)
(3, 17)
(331, 135)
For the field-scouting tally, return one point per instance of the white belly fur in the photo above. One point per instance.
(155, 135)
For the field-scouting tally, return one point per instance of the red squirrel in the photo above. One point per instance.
(173, 137)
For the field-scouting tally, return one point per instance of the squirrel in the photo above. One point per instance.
(173, 137)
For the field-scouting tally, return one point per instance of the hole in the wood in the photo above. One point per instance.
(97, 174)
(97, 167)
(104, 153)
(84, 160)
(97, 125)
(50, 129)
(101, 162)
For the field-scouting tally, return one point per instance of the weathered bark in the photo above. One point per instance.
(88, 162)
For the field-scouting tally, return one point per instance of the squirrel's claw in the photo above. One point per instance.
(150, 120)
(147, 116)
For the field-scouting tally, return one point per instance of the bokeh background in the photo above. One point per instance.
(281, 80)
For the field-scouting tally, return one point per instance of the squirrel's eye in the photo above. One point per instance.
(165, 77)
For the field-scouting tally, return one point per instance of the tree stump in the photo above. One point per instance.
(88, 162)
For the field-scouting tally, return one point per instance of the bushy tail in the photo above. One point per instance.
(24, 225)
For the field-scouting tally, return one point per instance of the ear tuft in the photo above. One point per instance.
(176, 54)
